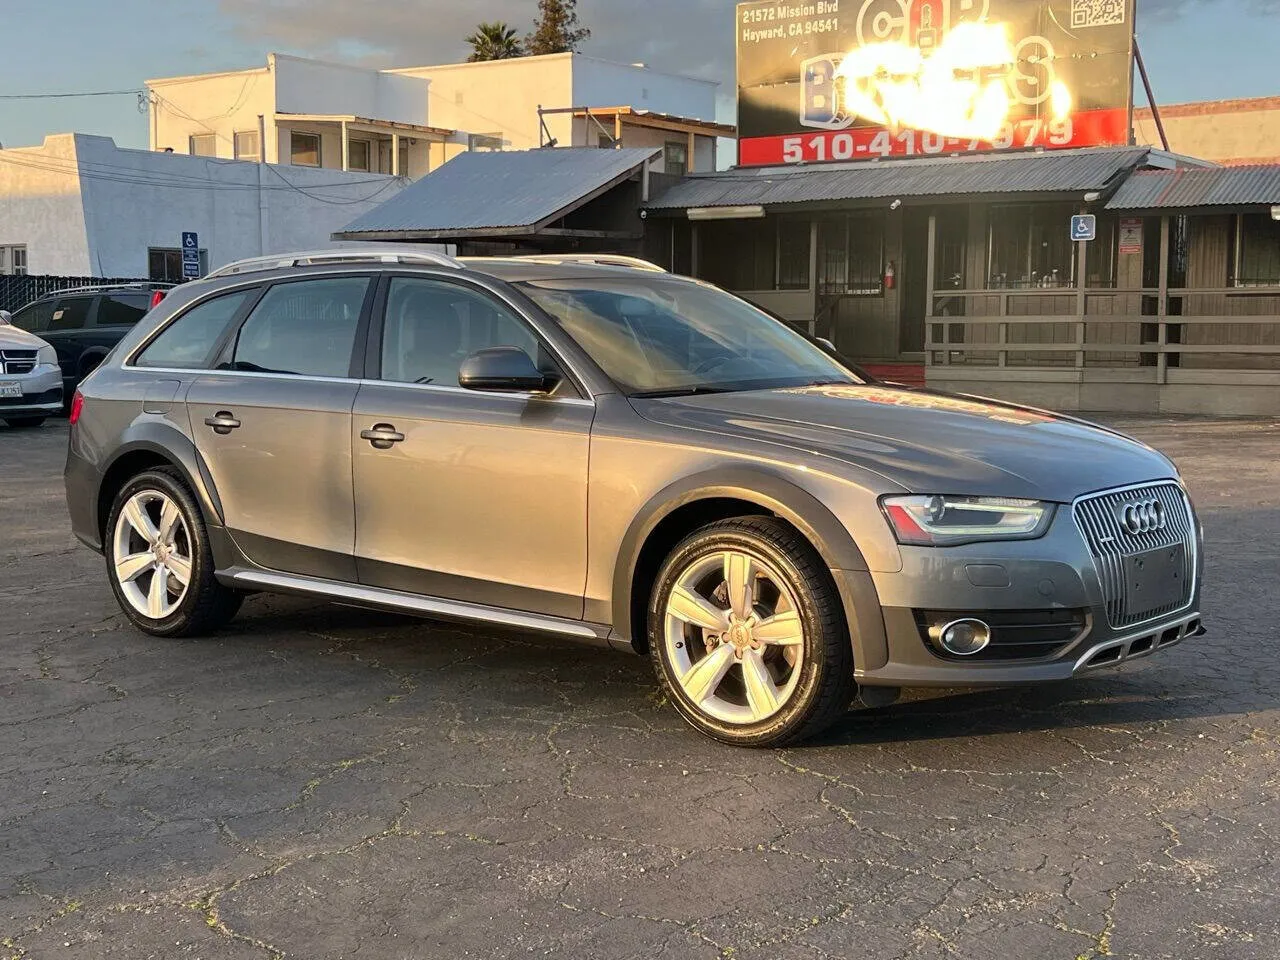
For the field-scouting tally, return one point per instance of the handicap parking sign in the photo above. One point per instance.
(1084, 226)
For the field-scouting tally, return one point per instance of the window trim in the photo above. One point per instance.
(373, 348)
(368, 147)
(681, 146)
(235, 149)
(191, 144)
(293, 160)
(131, 361)
(9, 260)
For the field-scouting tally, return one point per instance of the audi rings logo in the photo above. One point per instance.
(1144, 516)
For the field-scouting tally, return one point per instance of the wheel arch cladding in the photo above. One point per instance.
(693, 502)
(157, 445)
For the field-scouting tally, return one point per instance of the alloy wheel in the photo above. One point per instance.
(152, 554)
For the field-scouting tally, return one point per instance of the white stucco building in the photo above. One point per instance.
(80, 206)
(410, 121)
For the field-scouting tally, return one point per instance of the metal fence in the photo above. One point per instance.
(18, 291)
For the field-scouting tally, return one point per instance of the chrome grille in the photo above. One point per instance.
(16, 362)
(1099, 520)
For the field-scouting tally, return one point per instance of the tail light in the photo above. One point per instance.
(77, 407)
(156, 297)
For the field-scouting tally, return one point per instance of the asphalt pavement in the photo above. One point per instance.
(321, 782)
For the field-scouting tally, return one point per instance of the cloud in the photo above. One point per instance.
(683, 36)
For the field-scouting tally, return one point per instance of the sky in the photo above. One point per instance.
(1194, 49)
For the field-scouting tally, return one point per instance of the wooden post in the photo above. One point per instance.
(930, 267)
(395, 154)
(1003, 328)
(346, 148)
(1162, 305)
(693, 148)
(617, 131)
(813, 276)
(693, 251)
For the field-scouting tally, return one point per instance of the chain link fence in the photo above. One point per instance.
(18, 291)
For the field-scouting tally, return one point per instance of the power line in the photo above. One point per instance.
(66, 96)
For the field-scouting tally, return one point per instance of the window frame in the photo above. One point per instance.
(571, 380)
(9, 266)
(675, 146)
(202, 137)
(256, 156)
(294, 135)
(368, 154)
(1238, 254)
(254, 293)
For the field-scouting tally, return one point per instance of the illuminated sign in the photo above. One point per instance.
(858, 79)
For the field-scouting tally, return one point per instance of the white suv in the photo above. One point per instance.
(30, 378)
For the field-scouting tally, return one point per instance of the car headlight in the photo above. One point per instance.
(46, 355)
(939, 520)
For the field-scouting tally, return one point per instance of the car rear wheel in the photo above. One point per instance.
(24, 423)
(747, 634)
(159, 561)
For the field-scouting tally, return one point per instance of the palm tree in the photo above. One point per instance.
(494, 41)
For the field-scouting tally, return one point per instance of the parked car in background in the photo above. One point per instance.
(84, 324)
(624, 457)
(30, 379)
(5, 318)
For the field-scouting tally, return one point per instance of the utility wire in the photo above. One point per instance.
(66, 96)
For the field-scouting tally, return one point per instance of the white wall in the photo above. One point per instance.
(600, 83)
(40, 206)
(221, 104)
(100, 216)
(311, 86)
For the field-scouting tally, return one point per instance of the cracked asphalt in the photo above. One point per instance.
(320, 782)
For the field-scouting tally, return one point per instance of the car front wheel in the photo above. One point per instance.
(747, 634)
(159, 560)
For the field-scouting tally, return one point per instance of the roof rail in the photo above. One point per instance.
(599, 259)
(308, 258)
(143, 285)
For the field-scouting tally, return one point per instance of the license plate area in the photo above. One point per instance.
(10, 388)
(1156, 579)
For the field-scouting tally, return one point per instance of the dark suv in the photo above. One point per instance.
(85, 323)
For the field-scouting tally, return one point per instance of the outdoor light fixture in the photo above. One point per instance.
(750, 212)
(1092, 196)
(1275, 213)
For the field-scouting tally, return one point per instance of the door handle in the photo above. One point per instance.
(382, 436)
(222, 422)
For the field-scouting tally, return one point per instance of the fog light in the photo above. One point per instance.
(964, 638)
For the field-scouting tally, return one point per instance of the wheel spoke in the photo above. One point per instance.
(688, 606)
(700, 683)
(140, 521)
(739, 569)
(179, 568)
(135, 565)
(169, 517)
(781, 630)
(762, 692)
(158, 595)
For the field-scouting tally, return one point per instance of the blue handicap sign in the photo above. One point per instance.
(190, 241)
(1084, 226)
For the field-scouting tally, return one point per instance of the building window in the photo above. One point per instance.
(247, 146)
(164, 264)
(358, 153)
(13, 260)
(755, 255)
(1030, 246)
(1257, 253)
(675, 158)
(204, 145)
(793, 254)
(304, 149)
(485, 142)
(851, 256)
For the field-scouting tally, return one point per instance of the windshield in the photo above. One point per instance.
(670, 337)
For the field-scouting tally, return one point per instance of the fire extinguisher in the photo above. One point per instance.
(890, 275)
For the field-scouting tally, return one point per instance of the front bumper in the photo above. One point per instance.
(41, 393)
(1000, 582)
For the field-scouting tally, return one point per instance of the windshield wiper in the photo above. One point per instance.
(683, 392)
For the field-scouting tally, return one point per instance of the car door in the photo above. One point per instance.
(466, 495)
(273, 424)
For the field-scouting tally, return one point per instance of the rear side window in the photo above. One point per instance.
(71, 313)
(307, 328)
(35, 318)
(122, 310)
(187, 342)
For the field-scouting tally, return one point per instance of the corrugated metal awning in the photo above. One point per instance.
(1054, 172)
(509, 193)
(1213, 187)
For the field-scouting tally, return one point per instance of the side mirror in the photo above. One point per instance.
(828, 344)
(501, 369)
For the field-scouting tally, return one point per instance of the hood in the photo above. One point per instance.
(927, 442)
(17, 339)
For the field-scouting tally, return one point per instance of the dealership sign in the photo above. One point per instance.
(823, 80)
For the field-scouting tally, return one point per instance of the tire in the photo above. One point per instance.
(24, 423)
(136, 558)
(782, 672)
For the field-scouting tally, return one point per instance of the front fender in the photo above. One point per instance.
(780, 496)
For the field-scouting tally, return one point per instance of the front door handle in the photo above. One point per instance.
(383, 436)
(222, 422)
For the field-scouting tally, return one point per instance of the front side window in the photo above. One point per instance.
(204, 145)
(431, 327)
(71, 313)
(187, 342)
(657, 337)
(304, 149)
(307, 328)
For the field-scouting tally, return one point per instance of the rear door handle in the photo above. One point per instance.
(383, 436)
(222, 422)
